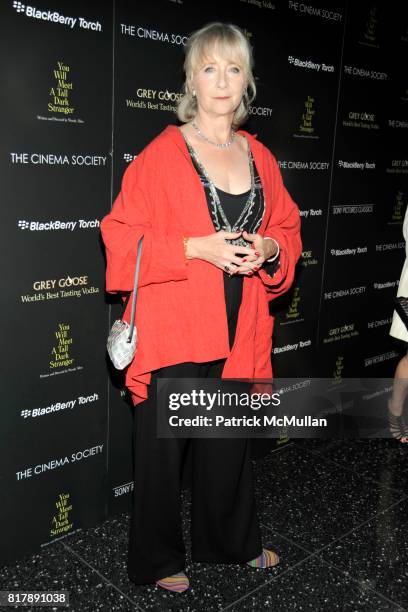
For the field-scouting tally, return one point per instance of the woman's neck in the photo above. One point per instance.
(216, 129)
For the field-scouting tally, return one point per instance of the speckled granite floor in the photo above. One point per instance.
(337, 513)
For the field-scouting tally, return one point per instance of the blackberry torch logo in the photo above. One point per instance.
(58, 407)
(57, 225)
(55, 17)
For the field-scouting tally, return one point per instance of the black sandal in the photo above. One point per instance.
(398, 426)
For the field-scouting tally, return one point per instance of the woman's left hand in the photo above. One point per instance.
(263, 250)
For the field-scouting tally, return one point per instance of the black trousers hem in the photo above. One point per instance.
(171, 569)
(209, 558)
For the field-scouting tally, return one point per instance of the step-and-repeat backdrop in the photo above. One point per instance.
(85, 87)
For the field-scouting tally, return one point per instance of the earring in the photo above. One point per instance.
(194, 93)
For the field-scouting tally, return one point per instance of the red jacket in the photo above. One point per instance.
(181, 314)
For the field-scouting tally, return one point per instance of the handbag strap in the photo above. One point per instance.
(135, 288)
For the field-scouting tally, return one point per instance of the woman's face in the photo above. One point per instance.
(219, 85)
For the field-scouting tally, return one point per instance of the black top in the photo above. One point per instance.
(233, 205)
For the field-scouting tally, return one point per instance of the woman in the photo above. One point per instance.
(396, 418)
(221, 239)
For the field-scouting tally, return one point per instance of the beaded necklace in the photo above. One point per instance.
(220, 219)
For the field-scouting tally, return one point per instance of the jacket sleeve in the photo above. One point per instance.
(133, 214)
(284, 227)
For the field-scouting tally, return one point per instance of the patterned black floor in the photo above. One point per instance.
(336, 512)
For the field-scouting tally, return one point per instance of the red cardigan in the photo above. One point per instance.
(181, 314)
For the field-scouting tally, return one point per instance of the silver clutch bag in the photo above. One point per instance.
(122, 339)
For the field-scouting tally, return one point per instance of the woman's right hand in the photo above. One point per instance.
(217, 251)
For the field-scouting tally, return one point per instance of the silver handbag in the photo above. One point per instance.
(122, 337)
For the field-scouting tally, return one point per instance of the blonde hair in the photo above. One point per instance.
(231, 41)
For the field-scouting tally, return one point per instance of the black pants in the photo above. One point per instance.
(224, 523)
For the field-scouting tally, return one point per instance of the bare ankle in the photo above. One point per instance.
(395, 409)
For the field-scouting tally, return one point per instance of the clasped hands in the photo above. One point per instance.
(234, 259)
